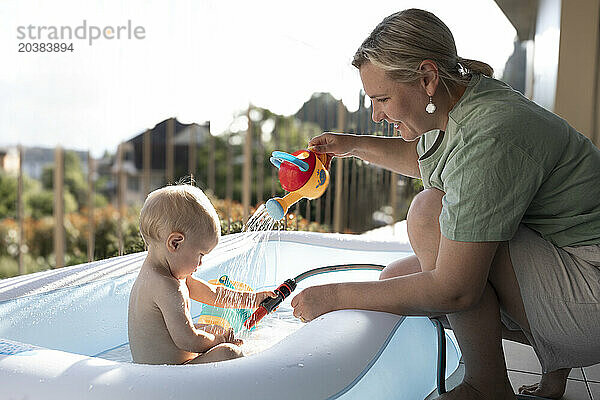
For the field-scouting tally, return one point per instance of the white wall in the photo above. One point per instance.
(545, 58)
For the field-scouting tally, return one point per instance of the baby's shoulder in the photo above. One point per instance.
(156, 282)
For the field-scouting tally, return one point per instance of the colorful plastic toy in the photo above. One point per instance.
(226, 317)
(301, 173)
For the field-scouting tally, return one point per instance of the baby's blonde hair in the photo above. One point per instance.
(404, 39)
(178, 208)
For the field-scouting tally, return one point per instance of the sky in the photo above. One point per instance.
(198, 60)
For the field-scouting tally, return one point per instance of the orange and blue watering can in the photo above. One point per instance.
(301, 173)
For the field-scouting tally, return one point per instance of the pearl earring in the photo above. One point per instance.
(430, 107)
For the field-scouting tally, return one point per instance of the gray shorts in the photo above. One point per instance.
(560, 287)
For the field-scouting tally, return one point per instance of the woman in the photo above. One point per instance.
(506, 233)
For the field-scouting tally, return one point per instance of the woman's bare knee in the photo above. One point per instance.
(405, 266)
(425, 206)
(423, 225)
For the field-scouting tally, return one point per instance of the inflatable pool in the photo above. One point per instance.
(63, 333)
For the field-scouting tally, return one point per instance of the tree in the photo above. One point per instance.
(8, 195)
(75, 180)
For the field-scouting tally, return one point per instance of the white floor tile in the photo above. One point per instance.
(521, 357)
(592, 374)
(576, 390)
(595, 389)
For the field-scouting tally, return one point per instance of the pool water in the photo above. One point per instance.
(268, 332)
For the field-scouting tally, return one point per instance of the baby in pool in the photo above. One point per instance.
(180, 226)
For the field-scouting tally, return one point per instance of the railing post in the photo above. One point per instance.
(259, 169)
(120, 197)
(90, 204)
(146, 161)
(339, 175)
(59, 232)
(394, 186)
(170, 150)
(211, 161)
(247, 172)
(229, 181)
(192, 150)
(317, 118)
(20, 213)
(329, 193)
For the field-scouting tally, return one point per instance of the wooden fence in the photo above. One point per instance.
(357, 189)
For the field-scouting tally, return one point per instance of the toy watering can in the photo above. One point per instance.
(301, 173)
(226, 317)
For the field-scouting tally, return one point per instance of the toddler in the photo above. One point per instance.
(180, 226)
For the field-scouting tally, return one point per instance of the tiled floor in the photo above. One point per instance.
(524, 368)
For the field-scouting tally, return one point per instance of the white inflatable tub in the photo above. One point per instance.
(60, 331)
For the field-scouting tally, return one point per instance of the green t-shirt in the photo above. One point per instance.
(504, 160)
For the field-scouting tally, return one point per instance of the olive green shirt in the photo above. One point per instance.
(504, 160)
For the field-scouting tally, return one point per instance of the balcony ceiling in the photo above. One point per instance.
(522, 15)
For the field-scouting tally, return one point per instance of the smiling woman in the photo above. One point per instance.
(506, 213)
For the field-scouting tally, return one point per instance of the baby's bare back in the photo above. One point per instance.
(149, 337)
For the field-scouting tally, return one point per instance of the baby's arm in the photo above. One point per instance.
(172, 303)
(221, 296)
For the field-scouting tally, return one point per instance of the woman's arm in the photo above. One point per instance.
(456, 283)
(392, 153)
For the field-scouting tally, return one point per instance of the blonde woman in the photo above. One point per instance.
(506, 233)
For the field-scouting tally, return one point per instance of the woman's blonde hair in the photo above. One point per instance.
(178, 208)
(404, 39)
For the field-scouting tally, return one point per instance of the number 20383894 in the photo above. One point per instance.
(45, 47)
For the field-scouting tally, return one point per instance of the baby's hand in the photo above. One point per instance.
(229, 337)
(216, 330)
(223, 335)
(261, 296)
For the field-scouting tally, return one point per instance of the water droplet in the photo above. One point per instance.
(90, 388)
(300, 365)
(310, 354)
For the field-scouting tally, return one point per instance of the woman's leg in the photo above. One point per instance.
(421, 209)
(479, 329)
(502, 291)
(404, 266)
(502, 276)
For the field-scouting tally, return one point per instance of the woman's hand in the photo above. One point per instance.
(315, 301)
(333, 145)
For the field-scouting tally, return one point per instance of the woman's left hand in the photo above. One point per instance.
(315, 301)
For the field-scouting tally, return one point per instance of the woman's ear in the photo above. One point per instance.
(430, 79)
(174, 240)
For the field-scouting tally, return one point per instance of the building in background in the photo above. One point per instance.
(129, 168)
(35, 159)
